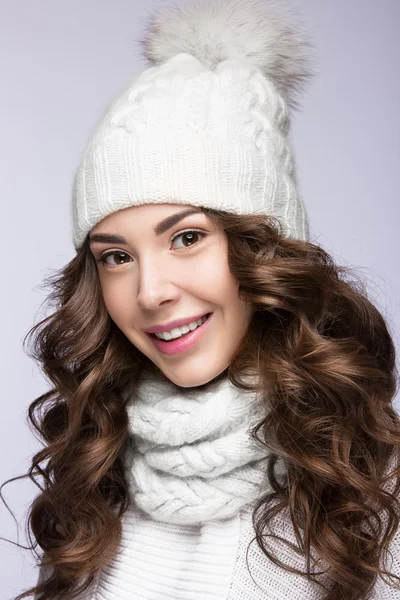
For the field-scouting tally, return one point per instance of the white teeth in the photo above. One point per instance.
(179, 331)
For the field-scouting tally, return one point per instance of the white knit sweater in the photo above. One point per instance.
(172, 549)
(165, 561)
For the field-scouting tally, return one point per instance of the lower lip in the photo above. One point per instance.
(183, 343)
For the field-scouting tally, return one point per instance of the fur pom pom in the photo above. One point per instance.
(217, 30)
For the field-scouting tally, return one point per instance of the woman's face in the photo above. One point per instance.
(152, 274)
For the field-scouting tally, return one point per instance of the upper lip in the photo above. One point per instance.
(173, 324)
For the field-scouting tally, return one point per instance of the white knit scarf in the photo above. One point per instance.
(190, 458)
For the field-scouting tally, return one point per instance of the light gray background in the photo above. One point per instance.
(61, 62)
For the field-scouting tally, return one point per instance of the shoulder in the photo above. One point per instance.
(257, 577)
(256, 573)
(384, 589)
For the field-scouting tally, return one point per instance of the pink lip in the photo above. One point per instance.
(183, 343)
(172, 324)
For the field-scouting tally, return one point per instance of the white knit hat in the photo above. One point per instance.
(207, 124)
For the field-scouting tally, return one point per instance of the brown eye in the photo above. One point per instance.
(190, 237)
(120, 258)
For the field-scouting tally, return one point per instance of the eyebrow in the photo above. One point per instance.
(159, 229)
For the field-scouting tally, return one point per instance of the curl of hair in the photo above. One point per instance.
(326, 364)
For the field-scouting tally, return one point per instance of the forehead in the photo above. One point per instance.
(150, 212)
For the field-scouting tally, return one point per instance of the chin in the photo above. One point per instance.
(199, 381)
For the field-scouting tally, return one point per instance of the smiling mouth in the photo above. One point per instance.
(206, 317)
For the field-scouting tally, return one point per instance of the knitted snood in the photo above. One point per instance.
(190, 457)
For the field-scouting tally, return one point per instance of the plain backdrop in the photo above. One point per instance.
(60, 64)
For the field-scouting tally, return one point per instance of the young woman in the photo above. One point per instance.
(221, 421)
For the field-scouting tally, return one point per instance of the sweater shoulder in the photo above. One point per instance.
(256, 577)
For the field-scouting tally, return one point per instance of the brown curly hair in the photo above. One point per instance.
(315, 340)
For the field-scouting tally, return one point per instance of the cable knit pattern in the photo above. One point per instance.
(192, 458)
(207, 124)
(214, 558)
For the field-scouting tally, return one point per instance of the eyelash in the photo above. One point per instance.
(102, 258)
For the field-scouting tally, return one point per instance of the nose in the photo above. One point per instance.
(156, 284)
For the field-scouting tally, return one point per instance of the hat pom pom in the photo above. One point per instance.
(217, 30)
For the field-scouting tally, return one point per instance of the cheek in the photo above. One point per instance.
(220, 288)
(118, 299)
(212, 273)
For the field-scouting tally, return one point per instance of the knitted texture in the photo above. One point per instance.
(215, 560)
(212, 559)
(164, 561)
(207, 124)
(191, 457)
